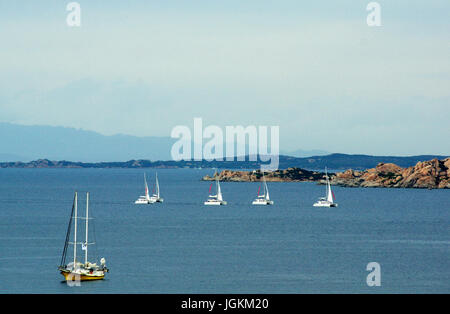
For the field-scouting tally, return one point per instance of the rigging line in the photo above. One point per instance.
(66, 243)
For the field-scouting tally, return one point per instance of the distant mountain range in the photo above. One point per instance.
(59, 147)
(27, 143)
(332, 162)
(356, 162)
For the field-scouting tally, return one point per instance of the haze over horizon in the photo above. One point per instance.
(77, 145)
(316, 70)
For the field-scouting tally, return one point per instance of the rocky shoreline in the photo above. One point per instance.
(432, 174)
(287, 175)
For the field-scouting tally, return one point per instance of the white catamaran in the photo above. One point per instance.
(263, 199)
(145, 199)
(216, 199)
(156, 198)
(328, 200)
(76, 270)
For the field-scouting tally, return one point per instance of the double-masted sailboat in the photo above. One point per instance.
(263, 199)
(76, 270)
(147, 199)
(328, 200)
(216, 199)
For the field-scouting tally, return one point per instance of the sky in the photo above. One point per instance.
(313, 68)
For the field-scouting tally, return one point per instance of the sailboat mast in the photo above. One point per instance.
(329, 194)
(217, 185)
(264, 183)
(75, 232)
(157, 185)
(69, 228)
(216, 174)
(146, 186)
(219, 192)
(87, 224)
(266, 189)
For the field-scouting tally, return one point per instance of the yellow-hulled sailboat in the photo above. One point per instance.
(75, 270)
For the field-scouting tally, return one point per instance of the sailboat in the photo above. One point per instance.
(263, 199)
(216, 199)
(144, 199)
(76, 270)
(156, 198)
(328, 200)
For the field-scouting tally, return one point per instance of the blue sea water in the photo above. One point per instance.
(182, 246)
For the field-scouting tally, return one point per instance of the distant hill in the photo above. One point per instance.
(46, 146)
(332, 162)
(346, 161)
(305, 153)
(27, 143)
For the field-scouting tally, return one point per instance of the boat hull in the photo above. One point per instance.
(70, 276)
(215, 203)
(325, 205)
(144, 202)
(262, 203)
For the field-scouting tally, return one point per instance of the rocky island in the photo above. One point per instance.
(287, 175)
(432, 174)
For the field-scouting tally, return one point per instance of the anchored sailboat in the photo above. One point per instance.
(144, 199)
(216, 199)
(328, 200)
(156, 198)
(75, 270)
(263, 199)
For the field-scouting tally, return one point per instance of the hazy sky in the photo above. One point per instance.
(314, 68)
